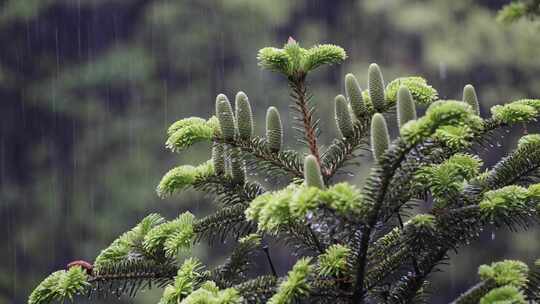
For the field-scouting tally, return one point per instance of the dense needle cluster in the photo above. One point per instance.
(355, 244)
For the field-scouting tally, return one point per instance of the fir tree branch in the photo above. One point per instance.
(259, 290)
(407, 287)
(402, 186)
(386, 265)
(343, 150)
(522, 163)
(233, 271)
(413, 258)
(475, 293)
(385, 243)
(454, 228)
(377, 185)
(301, 236)
(402, 245)
(130, 276)
(381, 189)
(227, 192)
(226, 222)
(260, 158)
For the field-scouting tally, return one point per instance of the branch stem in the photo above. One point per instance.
(316, 240)
(301, 99)
(277, 160)
(387, 173)
(267, 253)
(414, 262)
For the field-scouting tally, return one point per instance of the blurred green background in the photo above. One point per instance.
(88, 88)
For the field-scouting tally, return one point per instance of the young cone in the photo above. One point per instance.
(244, 116)
(469, 96)
(376, 87)
(225, 116)
(406, 107)
(343, 117)
(274, 130)
(380, 140)
(238, 168)
(312, 172)
(218, 158)
(354, 94)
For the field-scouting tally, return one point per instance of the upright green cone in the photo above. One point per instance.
(469, 96)
(406, 106)
(274, 130)
(376, 87)
(380, 139)
(227, 123)
(225, 116)
(354, 94)
(244, 116)
(312, 172)
(343, 117)
(238, 168)
(218, 158)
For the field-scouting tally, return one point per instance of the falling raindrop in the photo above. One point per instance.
(442, 70)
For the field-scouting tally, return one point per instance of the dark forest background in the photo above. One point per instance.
(88, 88)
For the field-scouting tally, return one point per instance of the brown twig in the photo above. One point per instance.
(301, 100)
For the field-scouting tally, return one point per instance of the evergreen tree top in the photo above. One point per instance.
(355, 244)
(295, 61)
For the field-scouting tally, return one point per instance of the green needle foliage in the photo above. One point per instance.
(446, 180)
(184, 133)
(524, 110)
(183, 177)
(188, 277)
(293, 59)
(501, 282)
(420, 90)
(505, 273)
(505, 294)
(355, 244)
(334, 262)
(209, 292)
(60, 285)
(295, 286)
